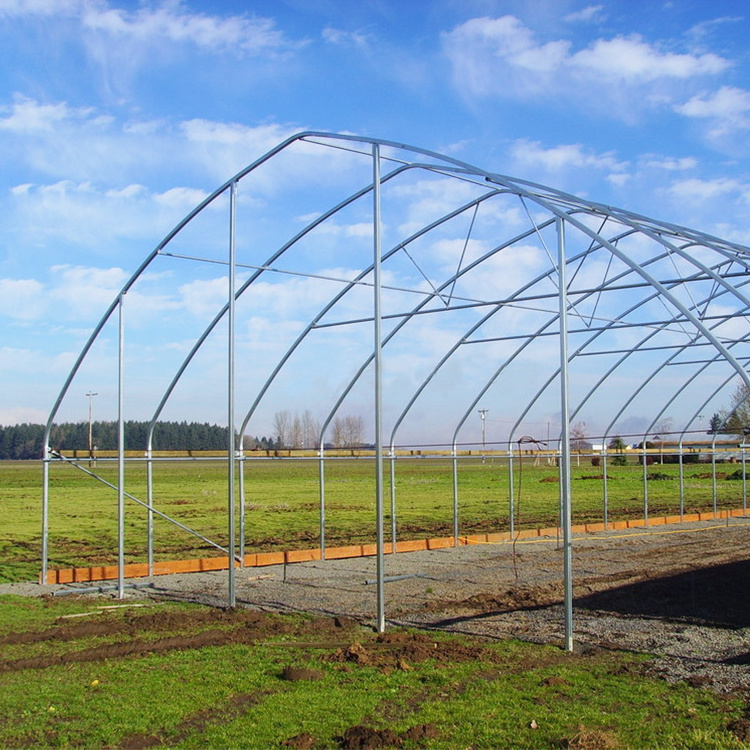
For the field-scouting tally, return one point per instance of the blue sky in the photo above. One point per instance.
(117, 117)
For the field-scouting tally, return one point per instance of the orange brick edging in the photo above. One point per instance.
(262, 559)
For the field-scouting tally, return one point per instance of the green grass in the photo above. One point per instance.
(478, 694)
(282, 502)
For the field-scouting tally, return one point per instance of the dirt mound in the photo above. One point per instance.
(591, 739)
(400, 649)
(511, 600)
(362, 737)
(304, 741)
(295, 674)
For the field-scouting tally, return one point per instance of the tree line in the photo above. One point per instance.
(24, 441)
(294, 430)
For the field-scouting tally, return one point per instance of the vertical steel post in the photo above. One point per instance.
(605, 487)
(378, 387)
(511, 498)
(322, 494)
(645, 481)
(121, 455)
(231, 595)
(150, 506)
(241, 458)
(91, 395)
(713, 473)
(744, 480)
(565, 490)
(392, 456)
(45, 512)
(682, 480)
(455, 495)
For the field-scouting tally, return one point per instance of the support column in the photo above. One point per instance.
(121, 455)
(45, 511)
(241, 459)
(455, 493)
(565, 491)
(378, 388)
(392, 467)
(150, 506)
(231, 595)
(322, 499)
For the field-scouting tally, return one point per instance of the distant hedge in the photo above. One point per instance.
(24, 441)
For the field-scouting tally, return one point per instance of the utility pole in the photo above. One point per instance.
(91, 395)
(482, 416)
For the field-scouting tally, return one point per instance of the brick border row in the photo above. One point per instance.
(261, 559)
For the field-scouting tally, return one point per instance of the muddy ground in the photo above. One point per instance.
(679, 592)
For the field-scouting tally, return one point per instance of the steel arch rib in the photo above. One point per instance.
(665, 293)
(582, 347)
(639, 347)
(554, 317)
(428, 296)
(556, 372)
(254, 277)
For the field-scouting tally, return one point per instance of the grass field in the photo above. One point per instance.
(75, 672)
(282, 503)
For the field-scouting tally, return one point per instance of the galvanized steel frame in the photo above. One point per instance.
(558, 215)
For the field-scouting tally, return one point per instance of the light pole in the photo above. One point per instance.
(91, 395)
(482, 416)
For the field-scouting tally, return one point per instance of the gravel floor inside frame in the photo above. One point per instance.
(681, 593)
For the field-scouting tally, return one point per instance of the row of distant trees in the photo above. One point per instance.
(24, 441)
(291, 431)
(294, 430)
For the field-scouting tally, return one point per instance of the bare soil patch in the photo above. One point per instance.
(214, 628)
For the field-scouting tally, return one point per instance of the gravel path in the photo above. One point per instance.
(679, 592)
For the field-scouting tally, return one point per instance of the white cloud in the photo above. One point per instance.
(21, 414)
(21, 299)
(728, 103)
(427, 200)
(564, 156)
(587, 15)
(345, 38)
(159, 23)
(94, 217)
(501, 57)
(180, 198)
(61, 141)
(28, 116)
(704, 29)
(11, 8)
(483, 47)
(670, 164)
(700, 190)
(727, 112)
(630, 59)
(204, 297)
(77, 143)
(224, 148)
(618, 179)
(81, 292)
(209, 132)
(361, 229)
